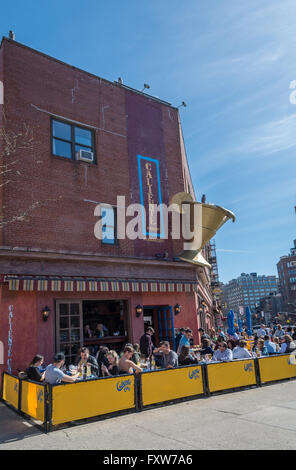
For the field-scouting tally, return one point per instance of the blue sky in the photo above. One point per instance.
(232, 63)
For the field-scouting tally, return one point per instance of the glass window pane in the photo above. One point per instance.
(64, 309)
(61, 130)
(64, 336)
(83, 136)
(108, 235)
(64, 322)
(62, 149)
(74, 309)
(107, 216)
(75, 335)
(75, 322)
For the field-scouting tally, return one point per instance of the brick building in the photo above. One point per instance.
(52, 265)
(287, 276)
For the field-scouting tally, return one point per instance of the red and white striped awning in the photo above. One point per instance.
(79, 284)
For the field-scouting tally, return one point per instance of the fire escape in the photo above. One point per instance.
(215, 284)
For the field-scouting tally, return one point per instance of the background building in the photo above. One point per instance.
(247, 290)
(269, 308)
(287, 278)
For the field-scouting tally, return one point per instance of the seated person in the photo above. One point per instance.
(220, 340)
(87, 360)
(231, 344)
(270, 346)
(287, 344)
(102, 359)
(222, 353)
(261, 349)
(240, 351)
(169, 358)
(53, 373)
(206, 347)
(126, 365)
(185, 358)
(113, 367)
(33, 372)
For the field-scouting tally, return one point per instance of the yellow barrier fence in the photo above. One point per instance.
(234, 374)
(91, 398)
(33, 400)
(277, 367)
(10, 389)
(172, 384)
(57, 404)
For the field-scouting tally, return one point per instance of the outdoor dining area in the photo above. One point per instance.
(144, 375)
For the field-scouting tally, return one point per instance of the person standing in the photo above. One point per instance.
(185, 340)
(178, 337)
(146, 345)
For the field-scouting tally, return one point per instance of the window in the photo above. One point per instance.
(109, 228)
(67, 139)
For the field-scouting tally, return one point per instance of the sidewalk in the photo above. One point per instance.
(261, 418)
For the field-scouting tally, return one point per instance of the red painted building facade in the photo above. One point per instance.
(49, 254)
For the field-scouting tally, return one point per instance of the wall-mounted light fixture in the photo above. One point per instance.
(45, 313)
(177, 309)
(139, 310)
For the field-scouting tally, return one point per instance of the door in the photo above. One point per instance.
(166, 328)
(69, 329)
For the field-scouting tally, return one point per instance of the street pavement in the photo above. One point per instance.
(258, 418)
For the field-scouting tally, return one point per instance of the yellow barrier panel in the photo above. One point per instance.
(171, 384)
(277, 367)
(92, 398)
(225, 375)
(11, 390)
(32, 402)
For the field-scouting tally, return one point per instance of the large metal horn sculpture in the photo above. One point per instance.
(205, 221)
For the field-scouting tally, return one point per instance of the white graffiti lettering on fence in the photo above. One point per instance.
(9, 360)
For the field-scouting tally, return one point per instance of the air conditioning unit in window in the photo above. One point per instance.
(85, 155)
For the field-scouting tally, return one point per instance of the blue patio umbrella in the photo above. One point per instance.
(230, 322)
(240, 325)
(249, 321)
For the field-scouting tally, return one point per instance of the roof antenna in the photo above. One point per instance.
(11, 35)
(146, 86)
